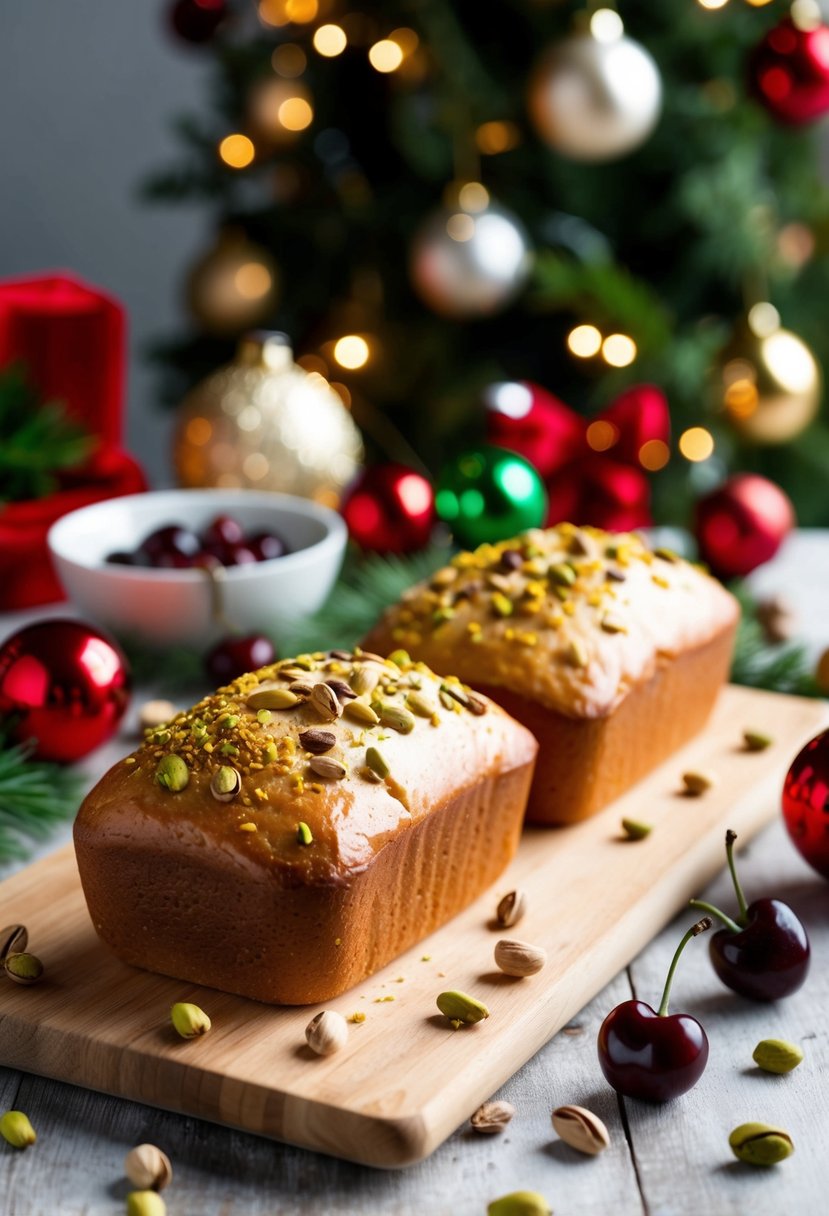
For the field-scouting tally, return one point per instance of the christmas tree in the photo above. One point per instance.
(433, 197)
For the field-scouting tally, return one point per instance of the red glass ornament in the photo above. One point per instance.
(806, 802)
(789, 72)
(526, 419)
(742, 524)
(63, 684)
(600, 492)
(196, 21)
(390, 509)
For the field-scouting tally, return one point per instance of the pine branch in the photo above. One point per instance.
(34, 797)
(757, 664)
(366, 588)
(37, 440)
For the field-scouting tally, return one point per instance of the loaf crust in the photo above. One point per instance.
(611, 654)
(176, 883)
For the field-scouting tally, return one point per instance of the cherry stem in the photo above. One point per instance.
(730, 837)
(699, 927)
(705, 907)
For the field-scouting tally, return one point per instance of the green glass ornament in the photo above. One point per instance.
(488, 494)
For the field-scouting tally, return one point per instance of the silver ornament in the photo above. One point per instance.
(596, 95)
(263, 423)
(470, 260)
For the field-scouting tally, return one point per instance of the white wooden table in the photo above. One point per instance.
(670, 1160)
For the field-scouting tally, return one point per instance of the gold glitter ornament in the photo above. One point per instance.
(766, 379)
(263, 423)
(233, 286)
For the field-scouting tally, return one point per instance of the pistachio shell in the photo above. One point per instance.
(492, 1117)
(511, 909)
(148, 1168)
(13, 940)
(326, 1033)
(23, 968)
(581, 1129)
(519, 959)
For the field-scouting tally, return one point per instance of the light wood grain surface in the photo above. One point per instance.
(594, 901)
(670, 1160)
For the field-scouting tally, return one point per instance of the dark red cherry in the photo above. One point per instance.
(204, 561)
(764, 954)
(167, 543)
(266, 546)
(239, 555)
(233, 656)
(223, 530)
(651, 1054)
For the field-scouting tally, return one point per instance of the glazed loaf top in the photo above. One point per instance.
(305, 768)
(572, 618)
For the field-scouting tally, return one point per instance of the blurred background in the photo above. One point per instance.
(594, 235)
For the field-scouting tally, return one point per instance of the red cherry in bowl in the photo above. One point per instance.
(651, 1054)
(223, 530)
(267, 545)
(231, 657)
(166, 545)
(764, 954)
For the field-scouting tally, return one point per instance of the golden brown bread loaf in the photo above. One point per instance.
(610, 653)
(294, 832)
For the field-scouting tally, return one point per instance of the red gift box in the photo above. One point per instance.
(70, 338)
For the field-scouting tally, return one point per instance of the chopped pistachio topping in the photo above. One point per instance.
(172, 774)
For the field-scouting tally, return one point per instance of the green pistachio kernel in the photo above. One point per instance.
(172, 773)
(16, 1129)
(304, 834)
(263, 716)
(400, 658)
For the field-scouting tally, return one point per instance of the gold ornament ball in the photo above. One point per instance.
(233, 286)
(263, 423)
(471, 257)
(766, 380)
(596, 95)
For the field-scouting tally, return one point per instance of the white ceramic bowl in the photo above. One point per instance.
(170, 607)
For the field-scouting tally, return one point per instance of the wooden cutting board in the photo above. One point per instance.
(405, 1079)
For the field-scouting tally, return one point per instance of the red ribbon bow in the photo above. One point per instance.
(594, 468)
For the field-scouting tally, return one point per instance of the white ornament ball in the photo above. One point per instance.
(470, 262)
(595, 99)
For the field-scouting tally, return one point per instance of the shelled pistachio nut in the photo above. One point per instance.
(16, 1129)
(760, 1144)
(145, 1203)
(23, 968)
(776, 1055)
(520, 1203)
(581, 1129)
(697, 783)
(172, 773)
(461, 1009)
(148, 1168)
(188, 1020)
(271, 697)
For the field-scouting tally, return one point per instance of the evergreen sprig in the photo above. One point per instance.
(37, 440)
(34, 797)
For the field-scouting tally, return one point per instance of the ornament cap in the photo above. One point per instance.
(268, 348)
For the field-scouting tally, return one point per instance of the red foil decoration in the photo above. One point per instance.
(390, 509)
(789, 72)
(592, 467)
(70, 339)
(742, 524)
(806, 802)
(63, 684)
